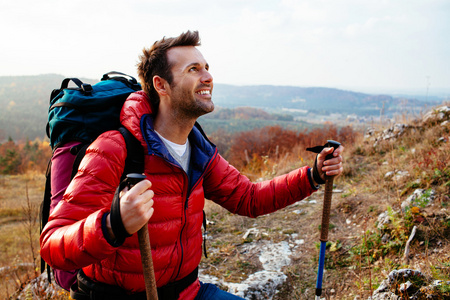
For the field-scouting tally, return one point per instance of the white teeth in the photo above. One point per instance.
(204, 92)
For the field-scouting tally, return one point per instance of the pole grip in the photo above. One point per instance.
(147, 263)
(328, 194)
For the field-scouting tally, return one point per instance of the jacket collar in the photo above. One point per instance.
(202, 150)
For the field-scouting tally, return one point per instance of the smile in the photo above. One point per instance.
(204, 92)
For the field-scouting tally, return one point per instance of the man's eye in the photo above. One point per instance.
(193, 69)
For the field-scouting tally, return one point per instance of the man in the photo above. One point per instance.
(182, 168)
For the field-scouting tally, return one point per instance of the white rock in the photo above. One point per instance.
(260, 285)
(275, 256)
(419, 198)
(383, 219)
(389, 174)
(253, 231)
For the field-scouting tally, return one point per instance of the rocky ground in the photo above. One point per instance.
(389, 232)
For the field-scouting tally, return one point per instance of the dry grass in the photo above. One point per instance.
(357, 262)
(20, 198)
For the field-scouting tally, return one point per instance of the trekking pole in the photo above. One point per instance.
(325, 216)
(144, 246)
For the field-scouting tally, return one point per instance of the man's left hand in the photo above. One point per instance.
(330, 167)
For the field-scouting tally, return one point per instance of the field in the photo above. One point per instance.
(20, 197)
(361, 252)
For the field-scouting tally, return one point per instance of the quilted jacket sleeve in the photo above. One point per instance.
(73, 237)
(224, 185)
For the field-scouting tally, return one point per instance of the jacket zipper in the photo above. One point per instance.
(184, 224)
(186, 207)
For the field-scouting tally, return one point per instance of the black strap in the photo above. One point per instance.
(120, 233)
(134, 162)
(80, 151)
(65, 82)
(174, 289)
(86, 289)
(45, 212)
(130, 81)
(86, 88)
(316, 174)
(110, 75)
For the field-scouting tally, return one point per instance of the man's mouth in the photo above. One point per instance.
(204, 92)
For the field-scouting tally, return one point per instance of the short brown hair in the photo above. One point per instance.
(153, 61)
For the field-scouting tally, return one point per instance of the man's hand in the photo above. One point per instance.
(330, 167)
(136, 207)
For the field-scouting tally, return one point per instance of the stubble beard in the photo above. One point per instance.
(192, 108)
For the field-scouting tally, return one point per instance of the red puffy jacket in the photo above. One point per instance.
(74, 236)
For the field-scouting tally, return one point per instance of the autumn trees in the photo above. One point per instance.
(274, 149)
(18, 158)
(249, 151)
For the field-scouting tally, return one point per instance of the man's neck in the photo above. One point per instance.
(173, 128)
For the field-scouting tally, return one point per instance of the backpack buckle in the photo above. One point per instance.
(87, 89)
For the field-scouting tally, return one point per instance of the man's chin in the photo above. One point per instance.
(211, 108)
(207, 106)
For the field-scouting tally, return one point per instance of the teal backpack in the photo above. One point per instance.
(83, 113)
(76, 117)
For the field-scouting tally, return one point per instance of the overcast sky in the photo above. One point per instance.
(366, 45)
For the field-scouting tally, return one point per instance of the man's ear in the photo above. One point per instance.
(161, 85)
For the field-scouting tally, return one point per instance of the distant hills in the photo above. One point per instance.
(319, 100)
(24, 101)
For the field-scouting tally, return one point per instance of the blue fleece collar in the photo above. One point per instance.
(202, 150)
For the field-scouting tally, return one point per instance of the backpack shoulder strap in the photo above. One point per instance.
(134, 162)
(80, 152)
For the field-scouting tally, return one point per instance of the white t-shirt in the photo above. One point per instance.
(181, 153)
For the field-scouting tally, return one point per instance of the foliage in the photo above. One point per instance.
(10, 159)
(262, 151)
(17, 159)
(442, 273)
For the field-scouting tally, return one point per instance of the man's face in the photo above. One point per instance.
(191, 88)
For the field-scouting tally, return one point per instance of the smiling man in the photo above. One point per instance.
(182, 168)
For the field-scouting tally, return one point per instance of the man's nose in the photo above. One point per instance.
(207, 77)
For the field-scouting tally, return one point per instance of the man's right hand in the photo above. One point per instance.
(136, 207)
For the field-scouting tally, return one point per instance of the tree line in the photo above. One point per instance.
(18, 158)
